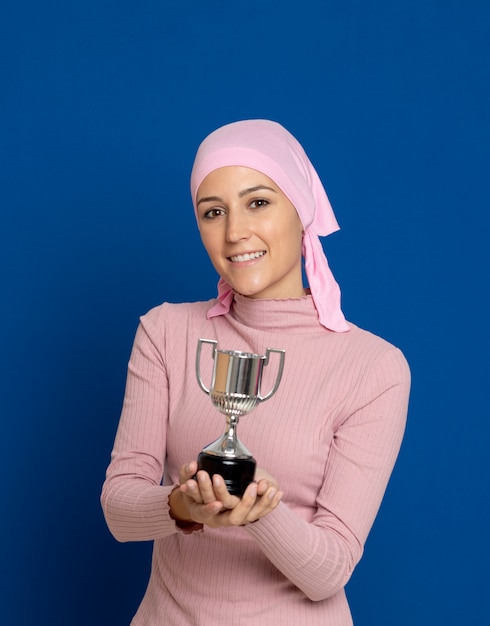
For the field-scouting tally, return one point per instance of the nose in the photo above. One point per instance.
(237, 226)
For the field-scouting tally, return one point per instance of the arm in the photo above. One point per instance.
(134, 502)
(319, 557)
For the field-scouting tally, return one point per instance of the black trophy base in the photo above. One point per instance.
(237, 473)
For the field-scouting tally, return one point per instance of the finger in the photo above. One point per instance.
(240, 514)
(267, 503)
(205, 487)
(222, 494)
(205, 513)
(262, 486)
(264, 505)
(187, 471)
(191, 489)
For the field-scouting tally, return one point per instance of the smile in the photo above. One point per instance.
(249, 256)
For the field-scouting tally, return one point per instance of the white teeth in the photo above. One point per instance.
(240, 258)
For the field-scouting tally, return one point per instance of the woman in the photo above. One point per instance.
(325, 443)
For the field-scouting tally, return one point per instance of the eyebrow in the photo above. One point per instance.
(253, 189)
(242, 193)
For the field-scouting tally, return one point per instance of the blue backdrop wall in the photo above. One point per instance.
(103, 105)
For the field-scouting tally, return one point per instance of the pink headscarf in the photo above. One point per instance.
(269, 148)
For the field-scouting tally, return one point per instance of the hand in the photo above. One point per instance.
(264, 480)
(207, 501)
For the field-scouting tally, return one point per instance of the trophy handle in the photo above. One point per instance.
(279, 372)
(198, 361)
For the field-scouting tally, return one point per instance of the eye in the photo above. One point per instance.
(213, 213)
(260, 203)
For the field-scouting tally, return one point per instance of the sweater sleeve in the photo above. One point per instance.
(319, 556)
(134, 502)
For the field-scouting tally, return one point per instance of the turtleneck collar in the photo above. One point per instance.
(295, 315)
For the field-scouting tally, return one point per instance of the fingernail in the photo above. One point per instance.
(253, 490)
(217, 481)
(272, 494)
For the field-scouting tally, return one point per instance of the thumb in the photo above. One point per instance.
(187, 471)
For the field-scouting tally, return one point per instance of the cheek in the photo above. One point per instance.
(292, 234)
(212, 245)
(208, 241)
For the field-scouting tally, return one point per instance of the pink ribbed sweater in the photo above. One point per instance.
(330, 436)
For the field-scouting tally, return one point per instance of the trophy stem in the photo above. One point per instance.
(228, 445)
(230, 437)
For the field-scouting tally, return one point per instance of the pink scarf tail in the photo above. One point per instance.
(324, 288)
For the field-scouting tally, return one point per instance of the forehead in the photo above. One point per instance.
(234, 178)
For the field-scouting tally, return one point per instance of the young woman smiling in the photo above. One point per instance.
(325, 443)
(251, 232)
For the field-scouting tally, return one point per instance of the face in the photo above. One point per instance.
(251, 232)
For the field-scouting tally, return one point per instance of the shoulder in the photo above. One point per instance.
(360, 337)
(172, 323)
(375, 353)
(177, 311)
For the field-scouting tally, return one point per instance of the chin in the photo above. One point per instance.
(246, 294)
(247, 291)
(254, 295)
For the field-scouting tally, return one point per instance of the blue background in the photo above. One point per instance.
(103, 105)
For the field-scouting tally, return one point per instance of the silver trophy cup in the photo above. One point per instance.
(235, 390)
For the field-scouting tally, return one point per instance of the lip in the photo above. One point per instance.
(246, 257)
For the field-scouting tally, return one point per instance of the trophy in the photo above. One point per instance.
(234, 391)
